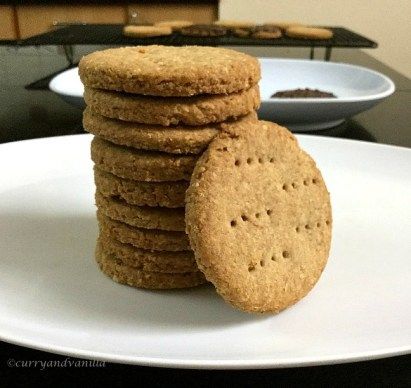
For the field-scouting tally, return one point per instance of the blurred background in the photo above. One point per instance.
(385, 21)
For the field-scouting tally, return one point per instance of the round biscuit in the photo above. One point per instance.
(170, 70)
(175, 139)
(134, 277)
(258, 217)
(146, 31)
(199, 110)
(127, 162)
(166, 194)
(141, 216)
(309, 32)
(144, 260)
(150, 239)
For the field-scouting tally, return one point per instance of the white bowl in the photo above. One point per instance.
(357, 89)
(68, 86)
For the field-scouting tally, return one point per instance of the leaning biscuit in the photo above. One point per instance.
(151, 261)
(139, 165)
(150, 239)
(134, 277)
(167, 194)
(309, 32)
(141, 216)
(258, 216)
(199, 110)
(180, 139)
(170, 70)
(146, 31)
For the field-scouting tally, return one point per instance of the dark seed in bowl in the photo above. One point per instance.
(303, 93)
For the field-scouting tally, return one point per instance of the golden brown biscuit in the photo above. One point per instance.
(174, 24)
(134, 277)
(162, 218)
(139, 165)
(151, 261)
(199, 110)
(169, 70)
(204, 30)
(180, 139)
(146, 31)
(309, 32)
(283, 25)
(150, 239)
(258, 216)
(167, 194)
(234, 23)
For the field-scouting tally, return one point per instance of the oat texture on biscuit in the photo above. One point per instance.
(258, 217)
(141, 216)
(309, 32)
(179, 139)
(170, 71)
(145, 260)
(199, 110)
(150, 239)
(135, 277)
(139, 165)
(167, 194)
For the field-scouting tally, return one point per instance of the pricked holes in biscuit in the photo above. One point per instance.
(249, 160)
(294, 185)
(286, 254)
(306, 182)
(285, 187)
(273, 258)
(233, 223)
(262, 263)
(251, 267)
(237, 162)
(315, 181)
(271, 160)
(260, 160)
(297, 229)
(244, 217)
(257, 215)
(327, 222)
(307, 227)
(269, 212)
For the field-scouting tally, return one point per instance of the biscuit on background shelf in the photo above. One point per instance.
(204, 30)
(309, 32)
(146, 31)
(175, 25)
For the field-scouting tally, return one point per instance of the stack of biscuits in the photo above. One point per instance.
(153, 111)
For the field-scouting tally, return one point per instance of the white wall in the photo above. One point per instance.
(386, 21)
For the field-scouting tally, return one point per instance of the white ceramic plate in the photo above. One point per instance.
(357, 89)
(53, 297)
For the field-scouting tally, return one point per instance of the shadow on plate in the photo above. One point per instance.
(49, 271)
